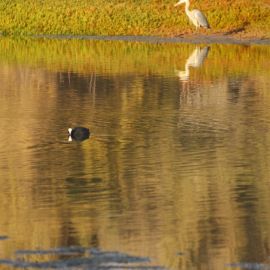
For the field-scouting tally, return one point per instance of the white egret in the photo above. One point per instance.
(195, 15)
(195, 60)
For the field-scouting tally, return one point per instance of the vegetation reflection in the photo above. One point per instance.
(176, 170)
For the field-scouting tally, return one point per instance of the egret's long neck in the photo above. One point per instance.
(187, 7)
(187, 69)
(184, 74)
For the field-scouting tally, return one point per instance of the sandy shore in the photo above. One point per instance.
(194, 38)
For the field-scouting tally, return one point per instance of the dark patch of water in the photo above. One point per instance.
(249, 266)
(79, 258)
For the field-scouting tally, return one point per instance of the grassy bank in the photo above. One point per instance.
(248, 18)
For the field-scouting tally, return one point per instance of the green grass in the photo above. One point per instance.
(141, 17)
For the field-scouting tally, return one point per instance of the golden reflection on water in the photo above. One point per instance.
(176, 168)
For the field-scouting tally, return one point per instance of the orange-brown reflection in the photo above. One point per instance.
(175, 170)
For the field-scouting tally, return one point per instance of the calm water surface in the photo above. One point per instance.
(177, 167)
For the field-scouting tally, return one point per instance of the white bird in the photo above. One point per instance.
(195, 60)
(195, 15)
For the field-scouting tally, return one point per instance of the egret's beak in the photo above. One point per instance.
(178, 3)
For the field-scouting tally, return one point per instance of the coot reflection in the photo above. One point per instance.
(78, 133)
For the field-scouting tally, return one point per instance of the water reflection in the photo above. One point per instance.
(179, 177)
(77, 258)
(195, 60)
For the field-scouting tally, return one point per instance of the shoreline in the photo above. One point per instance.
(188, 38)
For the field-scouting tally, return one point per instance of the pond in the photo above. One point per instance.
(177, 166)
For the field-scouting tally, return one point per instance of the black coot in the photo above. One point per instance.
(78, 133)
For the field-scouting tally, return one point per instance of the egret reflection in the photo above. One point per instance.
(195, 60)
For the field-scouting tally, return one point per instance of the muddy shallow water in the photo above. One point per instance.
(176, 169)
(185, 38)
